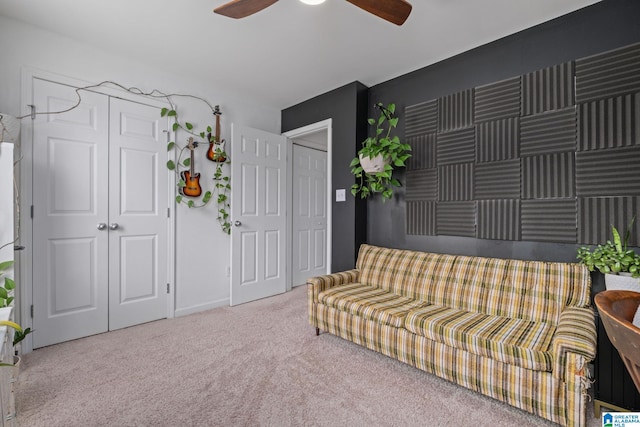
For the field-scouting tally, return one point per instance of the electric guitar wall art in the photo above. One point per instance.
(216, 147)
(191, 179)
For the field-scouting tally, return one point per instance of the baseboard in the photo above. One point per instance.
(201, 307)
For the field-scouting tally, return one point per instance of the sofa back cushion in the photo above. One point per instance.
(529, 290)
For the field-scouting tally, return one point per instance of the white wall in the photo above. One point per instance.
(202, 249)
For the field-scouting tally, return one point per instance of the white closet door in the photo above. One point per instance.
(309, 214)
(100, 226)
(70, 193)
(137, 215)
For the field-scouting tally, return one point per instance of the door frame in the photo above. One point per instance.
(324, 125)
(25, 166)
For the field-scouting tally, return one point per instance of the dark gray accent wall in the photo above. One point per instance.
(535, 54)
(347, 107)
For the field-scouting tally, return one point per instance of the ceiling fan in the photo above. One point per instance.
(395, 11)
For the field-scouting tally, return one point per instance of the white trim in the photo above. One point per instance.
(25, 289)
(198, 308)
(296, 133)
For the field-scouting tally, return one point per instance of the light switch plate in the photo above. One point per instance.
(341, 195)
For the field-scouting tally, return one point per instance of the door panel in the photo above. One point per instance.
(70, 193)
(309, 251)
(258, 208)
(138, 250)
(100, 163)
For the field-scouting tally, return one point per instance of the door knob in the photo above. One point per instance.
(101, 226)
(113, 226)
(237, 223)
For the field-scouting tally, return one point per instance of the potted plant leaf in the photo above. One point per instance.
(619, 264)
(379, 156)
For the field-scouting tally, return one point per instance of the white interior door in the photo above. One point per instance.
(137, 214)
(309, 214)
(71, 197)
(100, 226)
(258, 212)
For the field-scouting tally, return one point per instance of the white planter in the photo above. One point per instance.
(372, 165)
(621, 282)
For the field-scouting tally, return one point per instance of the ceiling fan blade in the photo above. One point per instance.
(395, 11)
(242, 8)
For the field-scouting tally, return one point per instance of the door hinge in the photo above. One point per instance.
(33, 111)
(168, 212)
(167, 288)
(32, 311)
(31, 211)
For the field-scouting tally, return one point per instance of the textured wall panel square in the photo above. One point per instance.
(548, 176)
(455, 111)
(497, 100)
(423, 152)
(609, 123)
(421, 218)
(456, 218)
(549, 220)
(456, 147)
(455, 182)
(497, 180)
(499, 219)
(498, 140)
(596, 215)
(548, 89)
(421, 118)
(422, 184)
(611, 73)
(613, 172)
(550, 132)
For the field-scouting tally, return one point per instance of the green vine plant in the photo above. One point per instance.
(222, 182)
(385, 145)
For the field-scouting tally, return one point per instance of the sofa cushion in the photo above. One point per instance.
(370, 303)
(513, 341)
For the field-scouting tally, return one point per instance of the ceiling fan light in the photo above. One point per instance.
(312, 2)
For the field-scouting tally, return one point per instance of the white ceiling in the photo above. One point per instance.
(290, 51)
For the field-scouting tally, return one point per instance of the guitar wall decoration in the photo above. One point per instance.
(216, 146)
(191, 179)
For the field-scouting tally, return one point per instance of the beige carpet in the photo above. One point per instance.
(259, 364)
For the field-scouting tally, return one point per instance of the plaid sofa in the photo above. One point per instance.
(518, 331)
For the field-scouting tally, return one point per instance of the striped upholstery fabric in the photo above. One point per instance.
(514, 341)
(370, 303)
(518, 331)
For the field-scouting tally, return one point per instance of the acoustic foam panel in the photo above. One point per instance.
(550, 132)
(455, 182)
(497, 180)
(421, 118)
(548, 176)
(499, 219)
(609, 123)
(548, 89)
(421, 218)
(456, 147)
(423, 152)
(456, 218)
(608, 74)
(596, 215)
(613, 172)
(549, 220)
(498, 140)
(422, 185)
(455, 111)
(497, 100)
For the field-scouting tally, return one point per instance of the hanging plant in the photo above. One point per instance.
(222, 182)
(379, 155)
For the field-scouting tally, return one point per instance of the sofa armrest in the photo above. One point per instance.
(576, 333)
(318, 284)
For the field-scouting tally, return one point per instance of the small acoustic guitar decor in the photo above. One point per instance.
(191, 179)
(216, 147)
